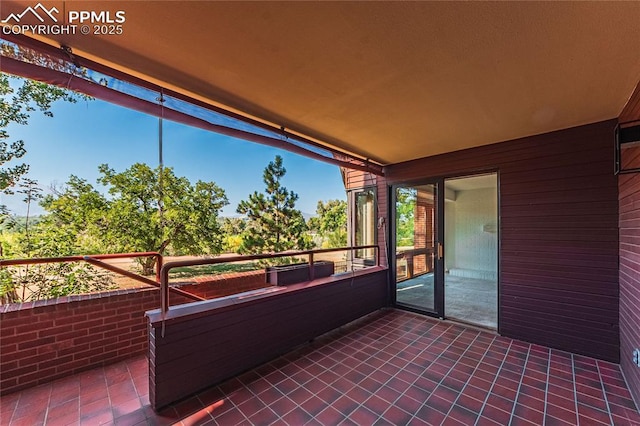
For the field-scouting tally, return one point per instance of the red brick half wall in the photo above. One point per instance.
(49, 339)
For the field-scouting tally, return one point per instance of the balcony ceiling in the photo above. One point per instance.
(391, 81)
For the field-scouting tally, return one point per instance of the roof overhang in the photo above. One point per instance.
(390, 81)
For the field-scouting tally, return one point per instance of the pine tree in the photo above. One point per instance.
(274, 224)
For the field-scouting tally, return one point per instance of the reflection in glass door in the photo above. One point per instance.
(417, 247)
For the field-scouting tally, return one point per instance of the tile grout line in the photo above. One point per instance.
(400, 370)
(575, 391)
(437, 358)
(13, 412)
(347, 334)
(484, 403)
(414, 340)
(486, 351)
(363, 361)
(546, 390)
(46, 412)
(524, 370)
(604, 393)
(626, 383)
(450, 326)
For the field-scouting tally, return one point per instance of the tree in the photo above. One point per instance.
(16, 105)
(46, 238)
(331, 222)
(232, 228)
(79, 210)
(144, 212)
(274, 224)
(405, 214)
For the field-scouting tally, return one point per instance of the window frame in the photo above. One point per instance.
(362, 257)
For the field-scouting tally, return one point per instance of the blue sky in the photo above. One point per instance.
(84, 135)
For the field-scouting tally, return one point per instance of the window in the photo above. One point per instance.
(362, 224)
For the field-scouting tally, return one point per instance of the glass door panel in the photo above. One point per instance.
(416, 247)
(471, 249)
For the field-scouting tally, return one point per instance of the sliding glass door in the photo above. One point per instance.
(445, 241)
(418, 247)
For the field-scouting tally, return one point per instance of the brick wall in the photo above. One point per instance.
(49, 339)
(224, 285)
(45, 340)
(629, 205)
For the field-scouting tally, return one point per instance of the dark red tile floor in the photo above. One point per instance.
(391, 368)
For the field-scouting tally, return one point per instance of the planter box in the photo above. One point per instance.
(296, 273)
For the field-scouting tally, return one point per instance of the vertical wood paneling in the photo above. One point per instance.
(558, 234)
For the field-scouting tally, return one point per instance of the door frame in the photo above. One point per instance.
(438, 266)
(391, 238)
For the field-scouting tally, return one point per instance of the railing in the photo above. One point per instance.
(96, 260)
(408, 255)
(164, 271)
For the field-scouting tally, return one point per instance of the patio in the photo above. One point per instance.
(389, 368)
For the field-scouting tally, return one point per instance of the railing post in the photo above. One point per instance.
(312, 272)
(159, 262)
(164, 290)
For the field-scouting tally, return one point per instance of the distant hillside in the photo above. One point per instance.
(306, 216)
(18, 222)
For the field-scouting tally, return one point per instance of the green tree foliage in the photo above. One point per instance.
(46, 238)
(331, 223)
(78, 211)
(143, 212)
(405, 215)
(17, 102)
(274, 224)
(232, 228)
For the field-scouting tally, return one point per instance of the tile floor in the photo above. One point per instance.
(471, 300)
(391, 368)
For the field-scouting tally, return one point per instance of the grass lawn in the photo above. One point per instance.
(222, 268)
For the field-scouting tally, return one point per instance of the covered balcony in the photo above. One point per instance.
(388, 368)
(489, 144)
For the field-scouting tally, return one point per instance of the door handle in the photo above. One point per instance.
(440, 254)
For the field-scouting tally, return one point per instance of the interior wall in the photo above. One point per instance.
(475, 245)
(449, 234)
(558, 246)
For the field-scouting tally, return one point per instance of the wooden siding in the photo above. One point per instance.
(356, 179)
(207, 342)
(629, 205)
(631, 111)
(630, 278)
(558, 234)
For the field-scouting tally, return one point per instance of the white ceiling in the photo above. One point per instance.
(392, 81)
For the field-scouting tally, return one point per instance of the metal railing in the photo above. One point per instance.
(96, 260)
(408, 256)
(164, 271)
